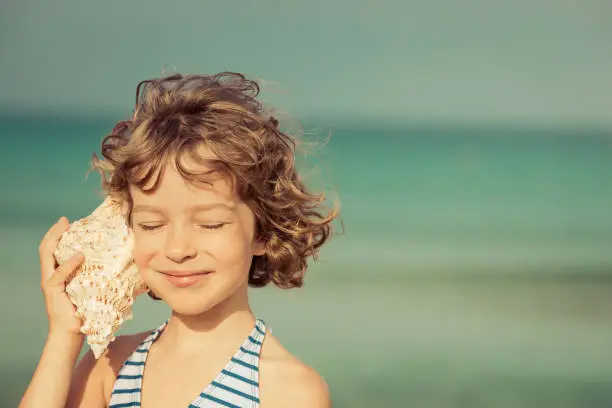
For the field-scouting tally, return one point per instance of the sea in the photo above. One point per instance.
(471, 266)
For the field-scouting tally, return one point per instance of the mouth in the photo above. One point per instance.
(184, 279)
(182, 274)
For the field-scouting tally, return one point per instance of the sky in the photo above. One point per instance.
(470, 59)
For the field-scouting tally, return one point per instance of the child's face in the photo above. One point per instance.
(193, 244)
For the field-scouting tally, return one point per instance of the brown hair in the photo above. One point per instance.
(175, 115)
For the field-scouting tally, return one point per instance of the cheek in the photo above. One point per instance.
(145, 248)
(232, 248)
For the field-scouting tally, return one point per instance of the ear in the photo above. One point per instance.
(259, 247)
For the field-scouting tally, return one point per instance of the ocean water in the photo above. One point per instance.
(474, 270)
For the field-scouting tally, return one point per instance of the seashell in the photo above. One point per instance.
(104, 287)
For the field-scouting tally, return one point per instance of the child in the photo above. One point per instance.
(215, 205)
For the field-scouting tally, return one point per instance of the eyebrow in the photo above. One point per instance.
(192, 209)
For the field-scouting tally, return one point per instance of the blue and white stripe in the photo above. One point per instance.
(236, 386)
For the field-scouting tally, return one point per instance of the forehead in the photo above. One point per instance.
(173, 187)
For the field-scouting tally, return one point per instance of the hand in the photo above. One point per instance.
(60, 310)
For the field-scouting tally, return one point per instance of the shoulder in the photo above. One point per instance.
(119, 350)
(93, 379)
(287, 381)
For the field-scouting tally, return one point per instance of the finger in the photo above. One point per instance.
(50, 230)
(48, 245)
(62, 273)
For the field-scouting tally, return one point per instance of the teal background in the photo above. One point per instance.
(471, 149)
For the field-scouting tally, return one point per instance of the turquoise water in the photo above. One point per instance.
(475, 268)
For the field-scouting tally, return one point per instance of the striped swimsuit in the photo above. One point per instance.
(236, 386)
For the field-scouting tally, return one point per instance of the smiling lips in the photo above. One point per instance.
(185, 279)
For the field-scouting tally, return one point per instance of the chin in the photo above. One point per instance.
(198, 298)
(187, 307)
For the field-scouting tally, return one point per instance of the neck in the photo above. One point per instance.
(230, 320)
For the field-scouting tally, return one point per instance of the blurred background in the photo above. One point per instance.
(471, 149)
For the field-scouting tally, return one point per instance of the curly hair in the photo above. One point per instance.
(174, 116)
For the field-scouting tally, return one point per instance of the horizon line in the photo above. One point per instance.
(350, 121)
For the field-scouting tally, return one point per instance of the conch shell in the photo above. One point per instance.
(103, 288)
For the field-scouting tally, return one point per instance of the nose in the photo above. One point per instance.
(179, 247)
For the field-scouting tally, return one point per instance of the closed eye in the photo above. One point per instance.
(149, 227)
(153, 227)
(212, 226)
